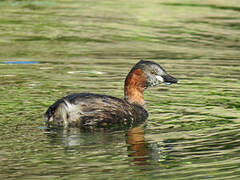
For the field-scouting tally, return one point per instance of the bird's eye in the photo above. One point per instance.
(153, 72)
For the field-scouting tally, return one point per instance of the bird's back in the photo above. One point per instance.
(94, 110)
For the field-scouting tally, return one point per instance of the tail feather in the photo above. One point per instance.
(61, 113)
(54, 111)
(51, 110)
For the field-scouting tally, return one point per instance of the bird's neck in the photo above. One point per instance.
(135, 84)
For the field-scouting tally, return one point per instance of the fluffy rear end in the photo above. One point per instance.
(57, 114)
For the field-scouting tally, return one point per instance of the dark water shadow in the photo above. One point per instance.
(212, 6)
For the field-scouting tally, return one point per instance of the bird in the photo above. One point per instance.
(89, 110)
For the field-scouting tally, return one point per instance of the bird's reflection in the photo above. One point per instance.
(137, 145)
(139, 150)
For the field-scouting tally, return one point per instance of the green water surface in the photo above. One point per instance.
(89, 46)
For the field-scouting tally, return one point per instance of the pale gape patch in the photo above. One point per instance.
(160, 78)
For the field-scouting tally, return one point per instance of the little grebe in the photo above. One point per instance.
(94, 110)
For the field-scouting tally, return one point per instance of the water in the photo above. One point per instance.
(89, 46)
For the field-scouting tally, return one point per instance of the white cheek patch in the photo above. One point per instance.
(159, 78)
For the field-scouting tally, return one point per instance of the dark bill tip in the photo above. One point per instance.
(169, 79)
